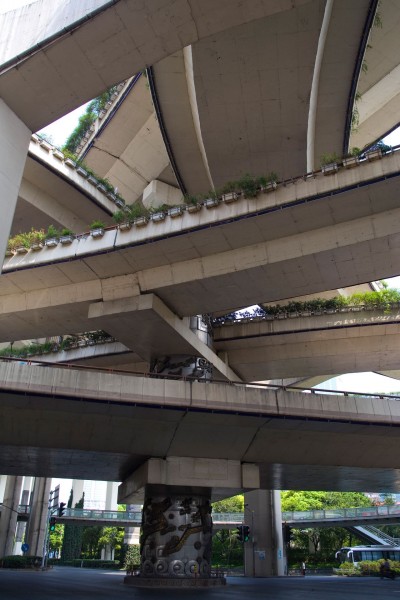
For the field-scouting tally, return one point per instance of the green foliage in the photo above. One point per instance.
(299, 501)
(86, 120)
(56, 538)
(379, 300)
(72, 541)
(112, 536)
(20, 562)
(327, 159)
(52, 232)
(65, 231)
(132, 558)
(249, 185)
(97, 224)
(235, 504)
(90, 541)
(227, 551)
(91, 563)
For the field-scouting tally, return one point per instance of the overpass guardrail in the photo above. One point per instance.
(134, 518)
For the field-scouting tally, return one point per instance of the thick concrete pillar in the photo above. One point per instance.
(264, 553)
(77, 490)
(176, 537)
(37, 525)
(108, 552)
(22, 525)
(132, 534)
(111, 495)
(176, 534)
(9, 513)
(13, 150)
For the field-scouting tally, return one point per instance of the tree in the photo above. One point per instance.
(113, 537)
(319, 544)
(294, 500)
(72, 542)
(56, 539)
(90, 541)
(229, 505)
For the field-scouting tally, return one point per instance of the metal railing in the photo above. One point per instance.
(363, 512)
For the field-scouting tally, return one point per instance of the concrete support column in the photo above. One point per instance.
(8, 521)
(111, 495)
(77, 490)
(13, 150)
(176, 534)
(22, 525)
(107, 553)
(176, 537)
(264, 553)
(132, 534)
(36, 529)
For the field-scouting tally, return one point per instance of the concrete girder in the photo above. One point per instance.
(245, 97)
(125, 420)
(306, 237)
(311, 346)
(62, 59)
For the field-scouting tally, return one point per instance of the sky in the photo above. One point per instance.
(6, 5)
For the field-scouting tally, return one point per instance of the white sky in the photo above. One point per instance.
(6, 5)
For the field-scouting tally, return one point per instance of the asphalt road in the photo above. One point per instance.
(82, 584)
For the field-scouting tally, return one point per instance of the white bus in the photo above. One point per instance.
(356, 554)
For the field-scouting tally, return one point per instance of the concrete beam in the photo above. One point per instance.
(222, 478)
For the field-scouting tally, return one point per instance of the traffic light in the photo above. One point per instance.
(61, 509)
(246, 533)
(239, 534)
(52, 523)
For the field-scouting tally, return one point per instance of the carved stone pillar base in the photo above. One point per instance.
(176, 536)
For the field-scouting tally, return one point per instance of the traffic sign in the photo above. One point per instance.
(25, 547)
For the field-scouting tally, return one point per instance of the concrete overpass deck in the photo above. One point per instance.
(266, 90)
(54, 191)
(98, 425)
(58, 57)
(326, 344)
(307, 236)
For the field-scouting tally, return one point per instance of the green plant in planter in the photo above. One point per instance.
(21, 240)
(136, 210)
(191, 199)
(120, 216)
(52, 232)
(65, 231)
(97, 224)
(229, 187)
(264, 180)
(36, 236)
(249, 185)
(156, 209)
(294, 306)
(328, 159)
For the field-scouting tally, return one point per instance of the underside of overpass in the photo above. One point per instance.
(236, 88)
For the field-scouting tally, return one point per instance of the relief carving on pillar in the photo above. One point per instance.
(176, 537)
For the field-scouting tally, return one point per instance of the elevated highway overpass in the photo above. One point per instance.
(296, 440)
(308, 235)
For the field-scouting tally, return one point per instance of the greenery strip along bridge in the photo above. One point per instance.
(297, 519)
